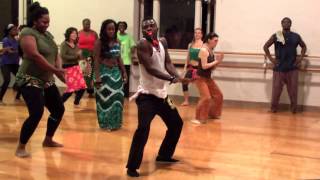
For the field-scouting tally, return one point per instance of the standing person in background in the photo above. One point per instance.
(10, 59)
(127, 49)
(35, 78)
(211, 98)
(70, 54)
(87, 38)
(110, 75)
(192, 62)
(286, 63)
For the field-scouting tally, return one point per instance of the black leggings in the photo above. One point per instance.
(6, 70)
(77, 99)
(36, 99)
(189, 76)
(148, 107)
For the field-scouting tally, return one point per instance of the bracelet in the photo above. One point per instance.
(172, 78)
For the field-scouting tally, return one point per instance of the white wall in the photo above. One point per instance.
(66, 13)
(244, 26)
(247, 24)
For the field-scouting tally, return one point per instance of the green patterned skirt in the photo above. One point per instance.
(109, 98)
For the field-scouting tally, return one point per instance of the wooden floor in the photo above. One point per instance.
(246, 143)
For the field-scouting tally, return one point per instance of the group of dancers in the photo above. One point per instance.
(108, 74)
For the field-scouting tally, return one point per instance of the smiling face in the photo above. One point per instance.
(149, 28)
(73, 36)
(122, 28)
(42, 23)
(198, 34)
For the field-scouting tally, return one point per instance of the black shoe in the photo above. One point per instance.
(166, 160)
(132, 173)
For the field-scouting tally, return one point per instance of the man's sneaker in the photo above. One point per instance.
(132, 173)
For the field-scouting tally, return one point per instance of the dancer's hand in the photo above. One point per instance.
(98, 84)
(185, 80)
(125, 78)
(219, 57)
(274, 61)
(60, 74)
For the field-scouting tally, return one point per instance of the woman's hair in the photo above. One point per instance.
(124, 23)
(35, 12)
(68, 33)
(104, 39)
(210, 36)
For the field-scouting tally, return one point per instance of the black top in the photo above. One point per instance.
(206, 73)
(286, 54)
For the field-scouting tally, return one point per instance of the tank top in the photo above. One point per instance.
(149, 83)
(112, 53)
(194, 54)
(206, 73)
(86, 41)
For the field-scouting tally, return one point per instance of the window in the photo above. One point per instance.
(177, 19)
(177, 22)
(8, 13)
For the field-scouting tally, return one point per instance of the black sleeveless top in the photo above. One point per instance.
(206, 73)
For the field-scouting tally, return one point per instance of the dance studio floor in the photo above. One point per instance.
(246, 143)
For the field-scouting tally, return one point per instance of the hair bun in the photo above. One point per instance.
(34, 6)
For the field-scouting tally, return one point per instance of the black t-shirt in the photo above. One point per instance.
(286, 53)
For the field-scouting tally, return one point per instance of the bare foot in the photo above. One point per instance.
(185, 103)
(51, 143)
(21, 152)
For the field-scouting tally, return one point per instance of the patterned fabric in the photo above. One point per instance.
(87, 66)
(109, 98)
(27, 80)
(74, 79)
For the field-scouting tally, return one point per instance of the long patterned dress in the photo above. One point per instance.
(109, 97)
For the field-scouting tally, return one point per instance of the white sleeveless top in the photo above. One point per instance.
(150, 84)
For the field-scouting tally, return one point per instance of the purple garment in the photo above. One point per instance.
(10, 58)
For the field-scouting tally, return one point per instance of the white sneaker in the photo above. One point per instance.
(196, 121)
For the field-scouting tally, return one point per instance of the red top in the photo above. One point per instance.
(87, 40)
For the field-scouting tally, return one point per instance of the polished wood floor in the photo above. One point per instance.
(246, 143)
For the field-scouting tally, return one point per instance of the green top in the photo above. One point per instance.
(127, 43)
(47, 48)
(194, 54)
(68, 54)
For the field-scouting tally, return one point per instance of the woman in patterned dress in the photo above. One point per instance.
(110, 75)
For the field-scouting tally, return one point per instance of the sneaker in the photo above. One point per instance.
(166, 160)
(132, 173)
(196, 121)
